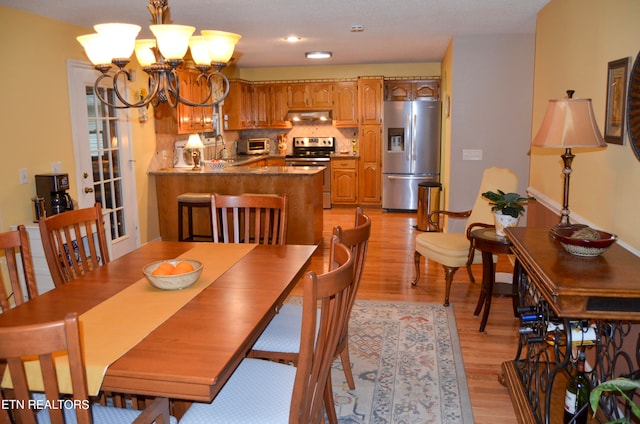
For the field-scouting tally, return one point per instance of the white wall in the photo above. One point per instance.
(491, 108)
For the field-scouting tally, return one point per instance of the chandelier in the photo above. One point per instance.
(114, 43)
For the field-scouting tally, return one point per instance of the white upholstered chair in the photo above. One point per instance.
(455, 250)
(262, 391)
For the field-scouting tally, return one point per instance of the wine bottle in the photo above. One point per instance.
(577, 395)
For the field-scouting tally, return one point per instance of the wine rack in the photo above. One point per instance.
(549, 346)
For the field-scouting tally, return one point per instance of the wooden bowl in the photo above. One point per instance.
(581, 246)
(174, 281)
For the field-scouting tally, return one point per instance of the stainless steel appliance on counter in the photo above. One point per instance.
(314, 151)
(410, 151)
(253, 146)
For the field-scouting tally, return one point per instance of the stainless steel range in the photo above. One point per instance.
(315, 151)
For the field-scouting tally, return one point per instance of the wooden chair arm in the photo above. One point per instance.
(472, 241)
(156, 411)
(434, 217)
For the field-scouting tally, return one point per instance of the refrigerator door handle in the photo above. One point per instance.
(397, 177)
(407, 149)
(413, 136)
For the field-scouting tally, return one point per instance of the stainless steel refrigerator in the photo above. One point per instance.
(410, 151)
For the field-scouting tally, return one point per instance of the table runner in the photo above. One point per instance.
(113, 327)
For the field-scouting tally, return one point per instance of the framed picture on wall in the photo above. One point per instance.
(616, 101)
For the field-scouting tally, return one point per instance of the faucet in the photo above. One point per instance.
(223, 152)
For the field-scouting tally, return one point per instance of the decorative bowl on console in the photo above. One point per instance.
(583, 241)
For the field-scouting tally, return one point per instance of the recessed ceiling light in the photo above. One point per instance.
(292, 38)
(318, 55)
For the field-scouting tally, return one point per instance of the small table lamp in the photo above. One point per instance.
(569, 124)
(195, 144)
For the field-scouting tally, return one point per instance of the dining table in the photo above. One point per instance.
(192, 347)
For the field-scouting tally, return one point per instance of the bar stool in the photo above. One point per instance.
(190, 201)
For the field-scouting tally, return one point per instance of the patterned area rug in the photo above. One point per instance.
(407, 366)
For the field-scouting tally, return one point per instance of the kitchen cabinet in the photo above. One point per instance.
(278, 106)
(345, 104)
(398, 90)
(255, 105)
(370, 175)
(370, 102)
(260, 98)
(237, 110)
(310, 95)
(184, 119)
(344, 181)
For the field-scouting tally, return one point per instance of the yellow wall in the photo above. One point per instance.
(430, 69)
(35, 124)
(575, 39)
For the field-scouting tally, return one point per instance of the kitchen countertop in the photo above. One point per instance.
(243, 170)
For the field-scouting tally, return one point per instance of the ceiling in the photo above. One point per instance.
(400, 31)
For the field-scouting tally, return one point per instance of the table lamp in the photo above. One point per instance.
(195, 144)
(570, 124)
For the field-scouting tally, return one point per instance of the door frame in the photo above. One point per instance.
(79, 72)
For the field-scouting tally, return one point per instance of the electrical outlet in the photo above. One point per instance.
(56, 167)
(24, 176)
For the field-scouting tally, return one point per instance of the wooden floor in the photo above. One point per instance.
(388, 271)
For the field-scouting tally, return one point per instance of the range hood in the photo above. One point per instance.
(309, 115)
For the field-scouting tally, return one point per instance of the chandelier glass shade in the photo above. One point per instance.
(113, 44)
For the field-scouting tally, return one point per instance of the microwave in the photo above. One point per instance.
(253, 146)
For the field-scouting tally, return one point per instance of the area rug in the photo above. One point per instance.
(407, 366)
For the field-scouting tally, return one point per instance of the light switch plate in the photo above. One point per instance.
(471, 154)
(56, 167)
(24, 176)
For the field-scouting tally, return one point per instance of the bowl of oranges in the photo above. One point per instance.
(173, 274)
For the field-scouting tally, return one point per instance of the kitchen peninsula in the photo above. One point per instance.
(303, 186)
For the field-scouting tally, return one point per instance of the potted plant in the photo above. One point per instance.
(622, 386)
(507, 208)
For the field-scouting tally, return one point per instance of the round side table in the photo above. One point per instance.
(489, 243)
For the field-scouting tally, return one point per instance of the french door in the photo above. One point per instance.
(103, 159)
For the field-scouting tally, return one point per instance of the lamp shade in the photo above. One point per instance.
(173, 40)
(199, 50)
(119, 38)
(569, 123)
(221, 44)
(194, 142)
(144, 52)
(93, 45)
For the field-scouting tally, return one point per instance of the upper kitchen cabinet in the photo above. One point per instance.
(237, 110)
(187, 119)
(345, 104)
(370, 100)
(398, 90)
(312, 95)
(278, 106)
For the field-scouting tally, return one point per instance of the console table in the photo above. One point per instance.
(589, 304)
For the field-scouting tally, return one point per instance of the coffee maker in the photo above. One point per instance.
(53, 187)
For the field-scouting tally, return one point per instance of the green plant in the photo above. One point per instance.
(620, 385)
(511, 204)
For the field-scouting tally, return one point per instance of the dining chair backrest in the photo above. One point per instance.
(44, 342)
(20, 271)
(74, 243)
(357, 238)
(249, 218)
(331, 290)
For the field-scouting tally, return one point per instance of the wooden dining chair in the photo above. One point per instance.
(70, 252)
(249, 218)
(280, 341)
(46, 341)
(13, 243)
(261, 391)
